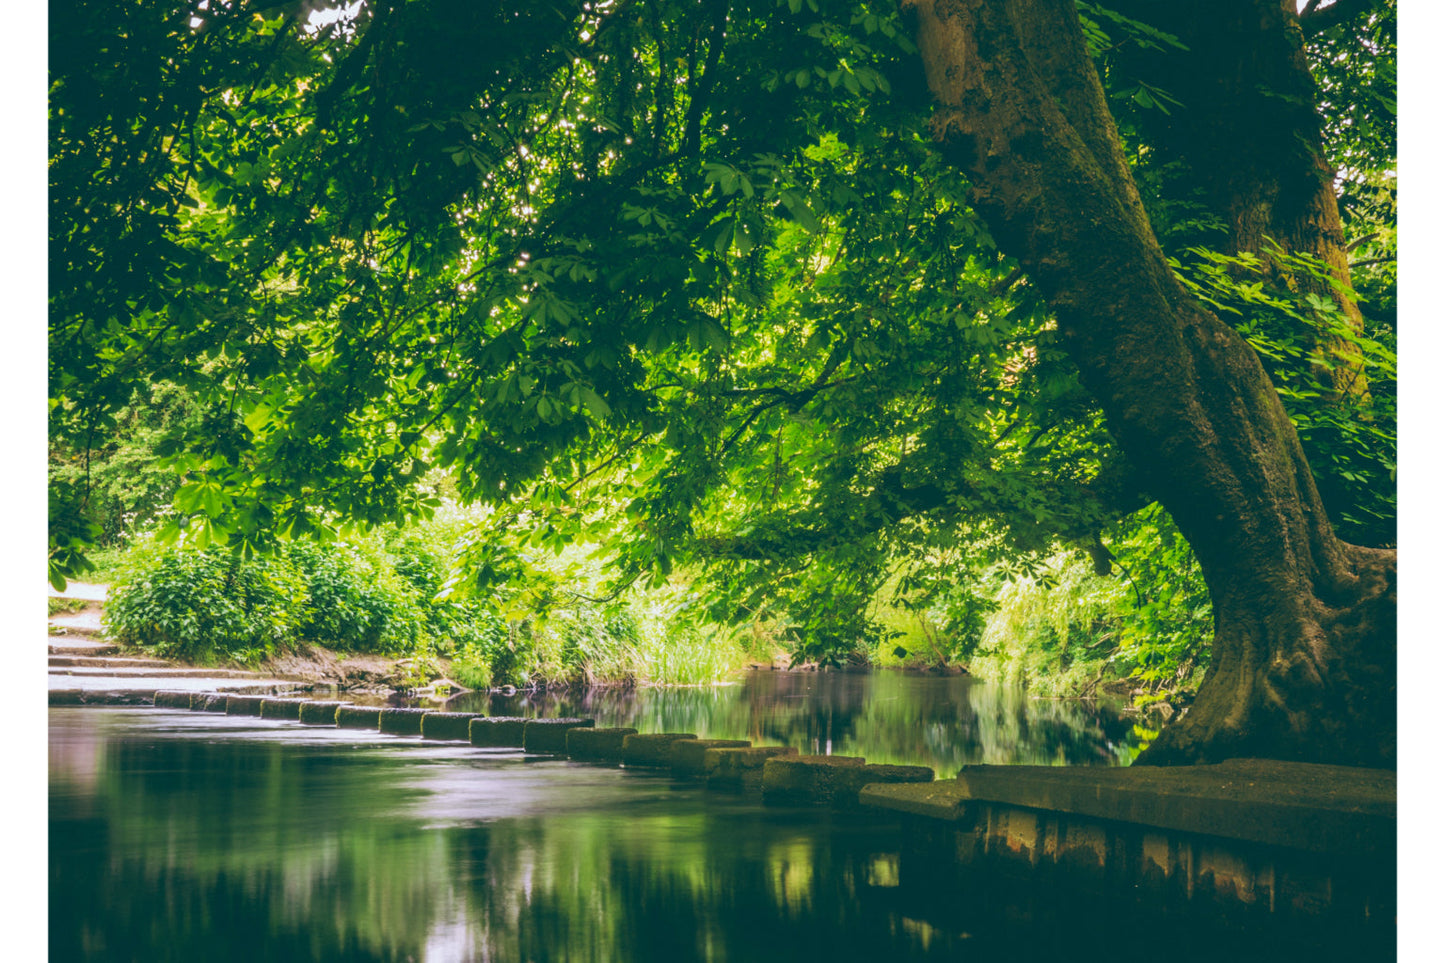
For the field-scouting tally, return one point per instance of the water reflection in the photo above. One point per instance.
(197, 839)
(887, 717)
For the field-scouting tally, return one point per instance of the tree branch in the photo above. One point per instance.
(1315, 19)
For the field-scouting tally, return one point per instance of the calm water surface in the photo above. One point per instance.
(189, 836)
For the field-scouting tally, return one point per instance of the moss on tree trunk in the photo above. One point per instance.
(1304, 648)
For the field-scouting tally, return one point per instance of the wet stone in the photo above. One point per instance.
(97, 697)
(244, 705)
(600, 744)
(740, 768)
(281, 708)
(496, 732)
(173, 699)
(689, 755)
(447, 725)
(319, 713)
(357, 717)
(652, 749)
(550, 735)
(401, 722)
(208, 701)
(810, 779)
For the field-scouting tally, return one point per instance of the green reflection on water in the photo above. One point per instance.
(181, 836)
(886, 717)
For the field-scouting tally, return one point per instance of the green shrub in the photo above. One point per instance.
(198, 605)
(355, 602)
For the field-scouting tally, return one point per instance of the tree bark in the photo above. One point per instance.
(1247, 133)
(1304, 650)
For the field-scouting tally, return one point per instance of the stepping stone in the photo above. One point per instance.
(740, 768)
(550, 735)
(208, 701)
(652, 749)
(319, 713)
(496, 732)
(357, 717)
(833, 780)
(447, 725)
(281, 708)
(100, 697)
(401, 722)
(172, 700)
(244, 705)
(689, 755)
(597, 744)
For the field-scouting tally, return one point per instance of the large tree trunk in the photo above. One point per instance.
(1304, 651)
(1248, 137)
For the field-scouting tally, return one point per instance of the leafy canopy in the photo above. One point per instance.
(685, 279)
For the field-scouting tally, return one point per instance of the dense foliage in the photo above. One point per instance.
(686, 281)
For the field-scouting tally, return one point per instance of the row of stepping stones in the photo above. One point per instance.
(779, 772)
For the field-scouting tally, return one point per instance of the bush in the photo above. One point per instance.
(356, 603)
(197, 605)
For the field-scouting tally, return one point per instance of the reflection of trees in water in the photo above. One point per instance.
(234, 849)
(886, 717)
(741, 885)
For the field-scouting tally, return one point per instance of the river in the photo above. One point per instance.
(188, 836)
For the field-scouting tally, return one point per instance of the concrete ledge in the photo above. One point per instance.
(357, 717)
(446, 725)
(652, 749)
(496, 732)
(740, 768)
(171, 699)
(281, 708)
(689, 756)
(550, 735)
(208, 701)
(400, 722)
(1315, 808)
(244, 705)
(598, 744)
(319, 713)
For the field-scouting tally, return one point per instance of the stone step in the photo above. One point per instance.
(90, 661)
(83, 647)
(170, 673)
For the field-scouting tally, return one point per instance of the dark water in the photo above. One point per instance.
(188, 836)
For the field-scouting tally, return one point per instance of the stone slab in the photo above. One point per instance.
(401, 722)
(601, 744)
(496, 732)
(124, 672)
(689, 756)
(83, 647)
(808, 779)
(740, 768)
(208, 701)
(357, 717)
(172, 699)
(1334, 809)
(104, 662)
(319, 713)
(447, 725)
(282, 709)
(652, 750)
(100, 697)
(241, 705)
(550, 735)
